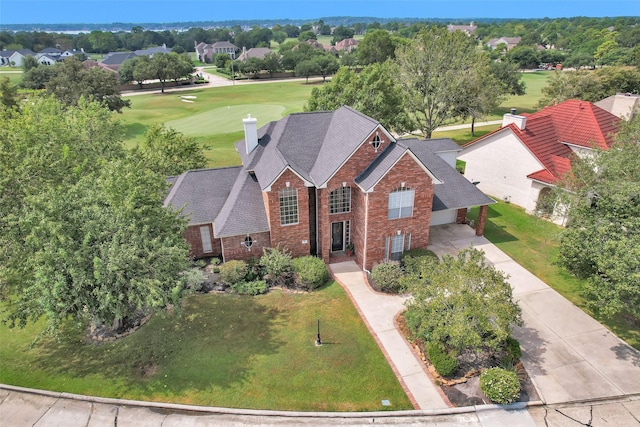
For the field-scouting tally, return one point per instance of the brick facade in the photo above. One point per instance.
(461, 216)
(379, 227)
(192, 236)
(234, 248)
(293, 237)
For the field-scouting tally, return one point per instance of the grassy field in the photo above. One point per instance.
(534, 244)
(14, 74)
(224, 350)
(214, 117)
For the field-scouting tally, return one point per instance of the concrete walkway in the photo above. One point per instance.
(378, 311)
(568, 355)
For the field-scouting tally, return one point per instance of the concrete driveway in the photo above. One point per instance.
(568, 355)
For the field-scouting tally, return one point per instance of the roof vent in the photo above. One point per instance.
(513, 111)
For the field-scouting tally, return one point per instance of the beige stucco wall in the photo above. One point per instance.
(501, 163)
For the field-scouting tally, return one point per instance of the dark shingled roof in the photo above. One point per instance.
(314, 145)
(244, 211)
(202, 193)
(456, 191)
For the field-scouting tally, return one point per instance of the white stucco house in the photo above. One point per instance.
(520, 162)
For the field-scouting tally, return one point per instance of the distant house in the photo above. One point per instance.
(521, 162)
(18, 56)
(509, 42)
(150, 51)
(4, 57)
(205, 52)
(113, 61)
(48, 60)
(317, 183)
(347, 45)
(254, 52)
(467, 29)
(624, 105)
(51, 52)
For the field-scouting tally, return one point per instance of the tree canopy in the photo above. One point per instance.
(601, 242)
(433, 72)
(461, 302)
(168, 152)
(371, 91)
(83, 233)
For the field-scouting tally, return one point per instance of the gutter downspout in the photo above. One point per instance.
(317, 205)
(366, 229)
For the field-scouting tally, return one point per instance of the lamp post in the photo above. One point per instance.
(318, 340)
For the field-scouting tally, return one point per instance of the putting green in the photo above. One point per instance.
(226, 119)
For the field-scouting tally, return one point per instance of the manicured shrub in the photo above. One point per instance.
(255, 287)
(512, 352)
(416, 261)
(277, 267)
(444, 363)
(310, 272)
(387, 276)
(500, 385)
(193, 279)
(233, 272)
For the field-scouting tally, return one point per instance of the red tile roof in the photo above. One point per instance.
(548, 131)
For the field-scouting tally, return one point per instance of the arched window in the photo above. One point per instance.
(248, 242)
(340, 200)
(401, 203)
(288, 206)
(376, 141)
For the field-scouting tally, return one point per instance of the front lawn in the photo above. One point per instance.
(534, 244)
(224, 350)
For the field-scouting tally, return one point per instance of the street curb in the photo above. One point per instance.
(269, 413)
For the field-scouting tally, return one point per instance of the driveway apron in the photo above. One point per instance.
(568, 355)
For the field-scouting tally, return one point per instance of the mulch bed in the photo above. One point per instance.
(463, 389)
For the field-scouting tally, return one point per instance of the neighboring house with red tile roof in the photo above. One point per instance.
(522, 160)
(315, 183)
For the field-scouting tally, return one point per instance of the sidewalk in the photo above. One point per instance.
(378, 311)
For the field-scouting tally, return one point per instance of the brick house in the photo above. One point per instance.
(315, 183)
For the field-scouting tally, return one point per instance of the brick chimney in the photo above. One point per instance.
(512, 117)
(250, 133)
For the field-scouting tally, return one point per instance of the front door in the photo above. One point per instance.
(337, 236)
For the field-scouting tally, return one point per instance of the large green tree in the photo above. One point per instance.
(83, 234)
(168, 152)
(433, 72)
(72, 80)
(372, 91)
(461, 302)
(590, 86)
(601, 242)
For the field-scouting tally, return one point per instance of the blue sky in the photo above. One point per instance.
(159, 11)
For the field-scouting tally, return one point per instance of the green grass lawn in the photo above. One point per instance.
(527, 103)
(462, 136)
(224, 350)
(534, 244)
(214, 117)
(14, 74)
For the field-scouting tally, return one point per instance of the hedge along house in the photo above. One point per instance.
(314, 183)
